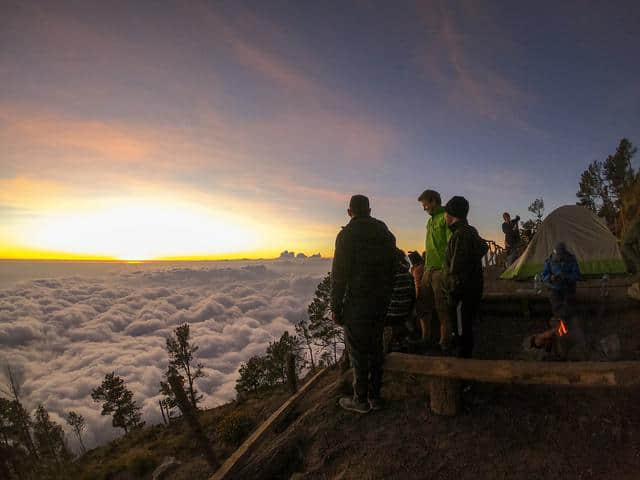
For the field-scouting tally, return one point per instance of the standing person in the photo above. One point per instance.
(511, 237)
(462, 270)
(432, 299)
(417, 270)
(362, 278)
(402, 302)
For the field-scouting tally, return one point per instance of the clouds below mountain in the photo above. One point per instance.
(66, 333)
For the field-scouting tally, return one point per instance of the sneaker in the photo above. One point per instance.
(376, 404)
(349, 403)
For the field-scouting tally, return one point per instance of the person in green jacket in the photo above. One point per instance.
(431, 298)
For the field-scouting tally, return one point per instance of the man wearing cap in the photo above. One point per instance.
(431, 297)
(462, 271)
(362, 277)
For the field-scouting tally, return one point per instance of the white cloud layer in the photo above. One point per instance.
(66, 332)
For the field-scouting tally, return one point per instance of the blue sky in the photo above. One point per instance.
(264, 117)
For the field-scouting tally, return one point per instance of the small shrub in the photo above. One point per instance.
(140, 465)
(234, 428)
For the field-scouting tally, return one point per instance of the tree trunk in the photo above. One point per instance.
(313, 363)
(292, 379)
(164, 420)
(445, 396)
(189, 413)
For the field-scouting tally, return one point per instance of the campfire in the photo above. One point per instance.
(545, 339)
(562, 328)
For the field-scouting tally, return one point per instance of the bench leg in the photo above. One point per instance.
(445, 396)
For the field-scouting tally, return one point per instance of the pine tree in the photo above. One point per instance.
(326, 334)
(49, 438)
(117, 401)
(604, 183)
(277, 358)
(77, 423)
(181, 352)
(253, 375)
(302, 329)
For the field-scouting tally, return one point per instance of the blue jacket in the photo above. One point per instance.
(564, 268)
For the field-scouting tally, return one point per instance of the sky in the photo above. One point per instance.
(200, 129)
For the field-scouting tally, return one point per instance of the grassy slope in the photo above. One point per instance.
(137, 454)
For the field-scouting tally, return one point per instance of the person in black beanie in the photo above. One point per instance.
(462, 270)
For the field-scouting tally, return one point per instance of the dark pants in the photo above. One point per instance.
(563, 302)
(363, 336)
(463, 316)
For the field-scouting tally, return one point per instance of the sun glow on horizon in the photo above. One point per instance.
(142, 229)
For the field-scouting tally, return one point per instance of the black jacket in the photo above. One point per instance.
(511, 233)
(363, 266)
(462, 266)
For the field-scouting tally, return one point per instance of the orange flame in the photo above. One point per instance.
(562, 329)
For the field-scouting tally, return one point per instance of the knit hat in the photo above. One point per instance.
(457, 207)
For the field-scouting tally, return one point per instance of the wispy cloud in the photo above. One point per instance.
(450, 57)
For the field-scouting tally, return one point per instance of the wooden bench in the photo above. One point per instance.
(446, 373)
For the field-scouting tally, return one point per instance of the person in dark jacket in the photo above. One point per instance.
(561, 272)
(362, 278)
(511, 237)
(403, 298)
(462, 269)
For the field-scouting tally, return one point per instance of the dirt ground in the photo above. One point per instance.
(503, 432)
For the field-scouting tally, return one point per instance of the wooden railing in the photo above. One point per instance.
(494, 256)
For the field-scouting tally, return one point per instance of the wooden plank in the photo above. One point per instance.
(444, 396)
(228, 465)
(577, 374)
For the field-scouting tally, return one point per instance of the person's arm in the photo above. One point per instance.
(461, 255)
(573, 275)
(546, 273)
(339, 275)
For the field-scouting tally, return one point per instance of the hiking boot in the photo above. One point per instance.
(349, 403)
(376, 404)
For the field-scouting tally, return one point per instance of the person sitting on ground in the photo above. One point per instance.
(402, 301)
(462, 270)
(511, 238)
(561, 272)
(362, 277)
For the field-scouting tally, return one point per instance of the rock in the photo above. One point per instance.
(634, 291)
(168, 464)
(611, 346)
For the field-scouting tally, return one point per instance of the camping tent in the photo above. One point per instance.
(585, 235)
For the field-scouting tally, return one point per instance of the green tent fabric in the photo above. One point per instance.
(585, 235)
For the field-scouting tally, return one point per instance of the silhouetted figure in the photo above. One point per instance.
(362, 277)
(511, 237)
(462, 270)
